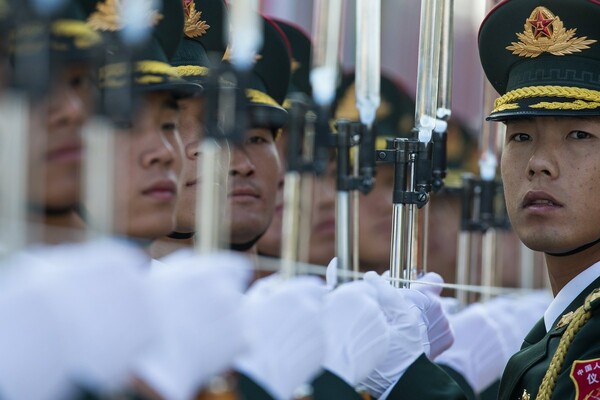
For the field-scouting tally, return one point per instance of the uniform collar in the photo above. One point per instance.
(568, 293)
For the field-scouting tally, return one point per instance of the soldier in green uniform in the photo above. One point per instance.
(270, 243)
(542, 57)
(202, 48)
(394, 118)
(58, 109)
(147, 144)
(254, 171)
(254, 167)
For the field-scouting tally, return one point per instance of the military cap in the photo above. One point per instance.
(150, 68)
(543, 57)
(395, 116)
(38, 44)
(69, 38)
(269, 80)
(301, 47)
(204, 39)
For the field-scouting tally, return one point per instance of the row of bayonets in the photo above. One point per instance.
(420, 161)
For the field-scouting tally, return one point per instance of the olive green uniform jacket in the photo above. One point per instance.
(580, 373)
(423, 380)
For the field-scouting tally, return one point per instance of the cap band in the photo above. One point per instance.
(147, 72)
(582, 98)
(83, 36)
(258, 97)
(191, 70)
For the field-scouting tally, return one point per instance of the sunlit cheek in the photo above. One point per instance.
(270, 162)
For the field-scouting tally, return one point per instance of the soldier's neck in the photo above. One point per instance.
(55, 229)
(561, 270)
(166, 245)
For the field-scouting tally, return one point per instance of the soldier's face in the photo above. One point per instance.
(375, 227)
(148, 164)
(55, 147)
(253, 178)
(551, 175)
(191, 129)
(322, 238)
(270, 243)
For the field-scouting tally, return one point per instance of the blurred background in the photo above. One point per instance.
(400, 44)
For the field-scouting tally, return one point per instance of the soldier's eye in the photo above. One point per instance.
(520, 137)
(80, 81)
(579, 135)
(257, 140)
(169, 126)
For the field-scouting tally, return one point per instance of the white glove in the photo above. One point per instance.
(96, 297)
(406, 341)
(450, 305)
(428, 283)
(357, 335)
(439, 332)
(479, 352)
(287, 343)
(198, 306)
(32, 365)
(331, 274)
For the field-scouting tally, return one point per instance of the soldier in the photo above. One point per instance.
(394, 118)
(322, 235)
(254, 167)
(57, 112)
(301, 47)
(254, 171)
(202, 48)
(542, 57)
(147, 144)
(323, 213)
(79, 297)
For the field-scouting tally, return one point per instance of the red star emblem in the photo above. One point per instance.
(541, 25)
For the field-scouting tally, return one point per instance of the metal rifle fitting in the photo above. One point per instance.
(296, 127)
(346, 137)
(366, 159)
(486, 209)
(439, 160)
(482, 205)
(408, 155)
(323, 140)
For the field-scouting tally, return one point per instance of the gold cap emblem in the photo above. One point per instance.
(545, 33)
(107, 16)
(194, 26)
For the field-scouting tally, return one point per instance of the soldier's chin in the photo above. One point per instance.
(548, 246)
(61, 200)
(54, 208)
(245, 239)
